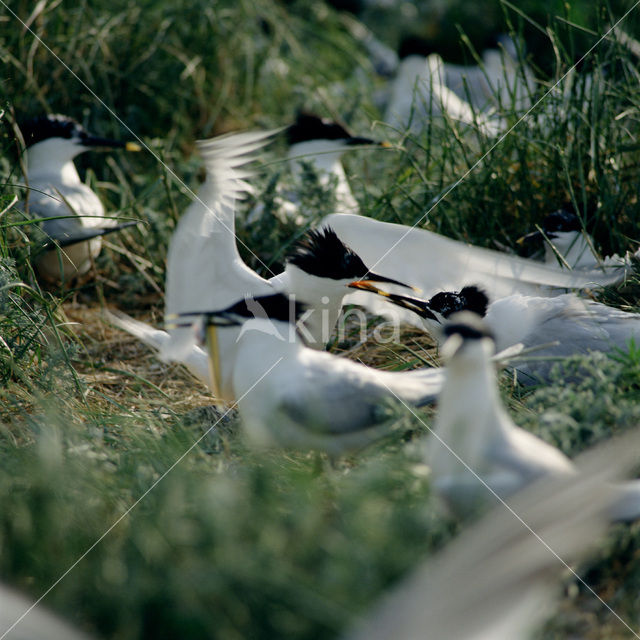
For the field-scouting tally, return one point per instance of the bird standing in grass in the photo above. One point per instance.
(74, 218)
(205, 270)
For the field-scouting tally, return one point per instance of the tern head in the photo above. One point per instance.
(438, 308)
(276, 307)
(61, 137)
(561, 227)
(321, 135)
(320, 261)
(467, 340)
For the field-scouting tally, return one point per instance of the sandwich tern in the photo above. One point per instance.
(567, 243)
(475, 444)
(419, 92)
(499, 578)
(320, 143)
(74, 216)
(205, 270)
(550, 328)
(435, 263)
(290, 395)
(317, 272)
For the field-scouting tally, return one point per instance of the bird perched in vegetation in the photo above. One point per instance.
(290, 395)
(498, 579)
(74, 217)
(567, 244)
(320, 144)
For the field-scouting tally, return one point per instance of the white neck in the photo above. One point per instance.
(573, 246)
(469, 411)
(323, 298)
(52, 159)
(325, 155)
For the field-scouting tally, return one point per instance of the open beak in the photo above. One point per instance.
(374, 277)
(417, 305)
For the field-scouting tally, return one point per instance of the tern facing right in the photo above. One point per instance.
(498, 579)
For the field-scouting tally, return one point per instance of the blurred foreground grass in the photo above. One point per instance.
(233, 543)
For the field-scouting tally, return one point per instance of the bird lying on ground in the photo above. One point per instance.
(567, 244)
(74, 216)
(548, 328)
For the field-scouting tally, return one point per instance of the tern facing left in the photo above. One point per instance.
(293, 396)
(56, 191)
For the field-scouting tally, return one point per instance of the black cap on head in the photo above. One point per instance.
(467, 325)
(309, 126)
(561, 220)
(475, 300)
(50, 126)
(321, 253)
(468, 299)
(276, 306)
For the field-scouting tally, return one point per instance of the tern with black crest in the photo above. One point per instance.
(74, 217)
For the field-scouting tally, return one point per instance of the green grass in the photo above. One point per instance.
(233, 543)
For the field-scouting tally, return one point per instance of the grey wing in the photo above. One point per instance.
(340, 406)
(579, 327)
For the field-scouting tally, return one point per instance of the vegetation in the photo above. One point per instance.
(116, 460)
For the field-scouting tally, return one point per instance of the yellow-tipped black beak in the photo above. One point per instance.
(374, 277)
(417, 305)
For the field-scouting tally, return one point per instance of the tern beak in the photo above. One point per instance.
(417, 305)
(374, 277)
(530, 237)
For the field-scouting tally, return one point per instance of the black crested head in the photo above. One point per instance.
(468, 326)
(276, 306)
(309, 126)
(467, 299)
(561, 220)
(475, 299)
(321, 253)
(446, 303)
(50, 126)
